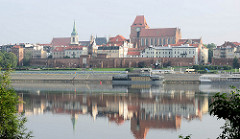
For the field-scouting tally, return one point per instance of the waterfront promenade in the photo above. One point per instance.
(71, 76)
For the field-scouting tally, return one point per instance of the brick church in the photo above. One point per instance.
(143, 36)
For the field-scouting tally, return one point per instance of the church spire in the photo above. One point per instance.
(74, 35)
(74, 32)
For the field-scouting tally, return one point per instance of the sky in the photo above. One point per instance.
(38, 21)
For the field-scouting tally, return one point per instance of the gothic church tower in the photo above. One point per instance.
(74, 36)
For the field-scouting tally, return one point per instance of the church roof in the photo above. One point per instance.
(158, 32)
(140, 21)
(61, 41)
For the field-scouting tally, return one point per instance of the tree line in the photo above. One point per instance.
(7, 59)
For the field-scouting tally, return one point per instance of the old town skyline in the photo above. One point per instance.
(41, 21)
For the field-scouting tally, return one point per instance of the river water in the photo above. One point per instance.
(107, 111)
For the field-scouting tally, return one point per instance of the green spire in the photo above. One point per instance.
(74, 32)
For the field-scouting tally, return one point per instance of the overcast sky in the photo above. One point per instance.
(38, 21)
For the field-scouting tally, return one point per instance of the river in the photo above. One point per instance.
(109, 111)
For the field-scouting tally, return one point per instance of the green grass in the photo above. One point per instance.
(109, 69)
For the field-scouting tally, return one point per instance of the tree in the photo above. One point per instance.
(210, 51)
(8, 59)
(235, 63)
(227, 106)
(11, 123)
(26, 59)
(141, 64)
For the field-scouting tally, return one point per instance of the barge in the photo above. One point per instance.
(144, 76)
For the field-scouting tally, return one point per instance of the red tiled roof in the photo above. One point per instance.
(58, 49)
(74, 47)
(45, 44)
(133, 53)
(61, 41)
(17, 47)
(117, 38)
(236, 43)
(159, 32)
(229, 44)
(140, 21)
(133, 49)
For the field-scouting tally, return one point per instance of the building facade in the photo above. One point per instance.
(75, 51)
(18, 51)
(183, 51)
(227, 50)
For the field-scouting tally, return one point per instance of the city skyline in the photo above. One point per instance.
(40, 21)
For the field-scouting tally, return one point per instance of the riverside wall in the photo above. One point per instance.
(223, 61)
(86, 62)
(92, 78)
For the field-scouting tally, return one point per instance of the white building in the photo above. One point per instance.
(75, 51)
(186, 51)
(183, 51)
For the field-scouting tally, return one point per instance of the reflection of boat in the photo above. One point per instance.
(144, 76)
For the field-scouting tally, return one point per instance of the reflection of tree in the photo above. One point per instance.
(11, 123)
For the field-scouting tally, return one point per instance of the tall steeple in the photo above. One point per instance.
(74, 35)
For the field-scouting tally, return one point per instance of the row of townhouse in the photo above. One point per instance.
(69, 52)
(181, 51)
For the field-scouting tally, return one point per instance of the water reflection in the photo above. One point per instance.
(144, 111)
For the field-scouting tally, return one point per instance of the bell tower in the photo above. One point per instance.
(138, 24)
(74, 36)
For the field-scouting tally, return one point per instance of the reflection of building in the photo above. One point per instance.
(145, 112)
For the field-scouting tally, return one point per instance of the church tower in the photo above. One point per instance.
(74, 36)
(139, 24)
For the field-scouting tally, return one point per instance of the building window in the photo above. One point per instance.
(151, 41)
(173, 41)
(147, 42)
(169, 41)
(156, 42)
(164, 41)
(142, 41)
(160, 41)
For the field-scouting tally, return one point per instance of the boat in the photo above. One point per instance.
(142, 76)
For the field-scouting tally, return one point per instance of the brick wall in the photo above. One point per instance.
(111, 62)
(223, 61)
